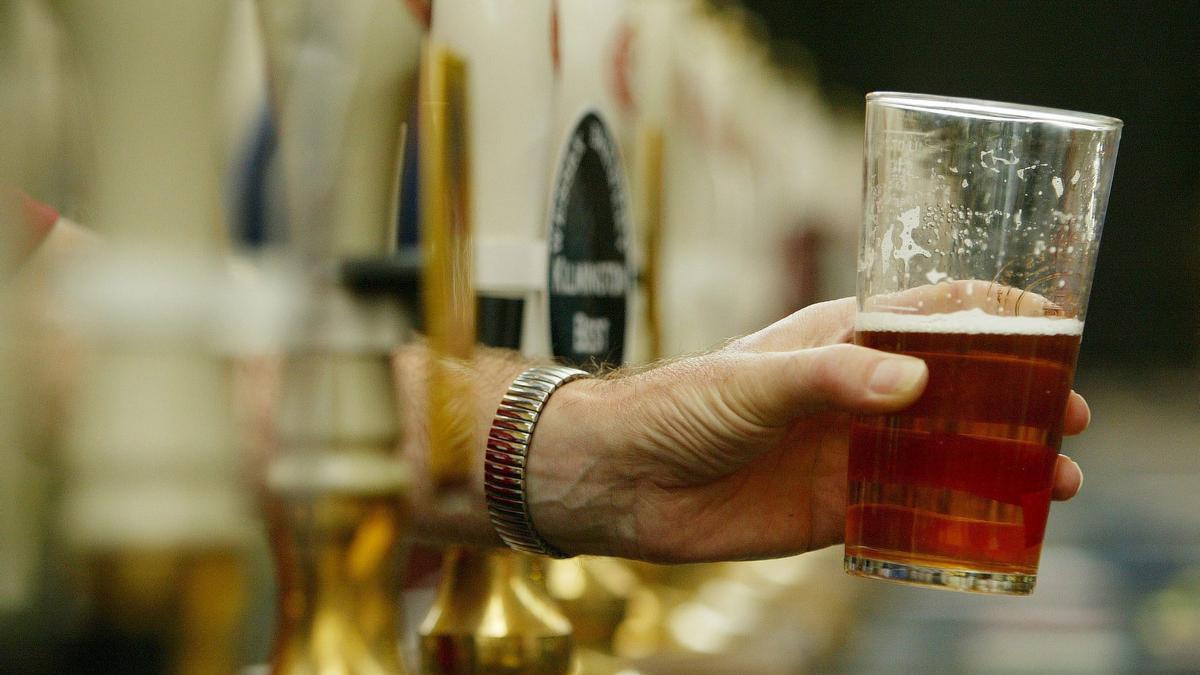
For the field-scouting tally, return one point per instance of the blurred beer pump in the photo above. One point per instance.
(492, 613)
(153, 509)
(336, 492)
(26, 513)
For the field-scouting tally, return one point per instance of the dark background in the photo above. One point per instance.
(1139, 61)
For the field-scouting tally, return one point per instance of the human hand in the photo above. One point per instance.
(740, 453)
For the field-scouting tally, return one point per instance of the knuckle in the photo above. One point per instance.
(838, 357)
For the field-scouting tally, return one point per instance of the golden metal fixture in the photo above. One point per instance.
(335, 524)
(492, 616)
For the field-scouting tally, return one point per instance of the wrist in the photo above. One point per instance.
(577, 500)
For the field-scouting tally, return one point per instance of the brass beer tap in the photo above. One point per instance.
(491, 615)
(152, 502)
(336, 493)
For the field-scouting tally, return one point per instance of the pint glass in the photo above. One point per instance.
(980, 230)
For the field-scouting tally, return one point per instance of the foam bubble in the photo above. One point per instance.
(971, 321)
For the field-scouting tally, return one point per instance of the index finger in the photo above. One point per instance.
(962, 295)
(825, 323)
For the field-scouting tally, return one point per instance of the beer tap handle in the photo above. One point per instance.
(449, 300)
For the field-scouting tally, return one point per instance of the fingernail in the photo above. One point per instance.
(897, 376)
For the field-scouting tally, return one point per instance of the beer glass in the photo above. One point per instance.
(980, 229)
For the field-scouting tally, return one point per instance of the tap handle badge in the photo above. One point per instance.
(589, 271)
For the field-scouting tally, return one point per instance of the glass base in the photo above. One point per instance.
(995, 583)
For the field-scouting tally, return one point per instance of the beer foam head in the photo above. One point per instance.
(971, 321)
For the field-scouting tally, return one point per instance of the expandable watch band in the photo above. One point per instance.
(507, 451)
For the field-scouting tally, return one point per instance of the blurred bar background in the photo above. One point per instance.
(739, 125)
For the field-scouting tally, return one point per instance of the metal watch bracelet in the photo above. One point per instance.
(507, 453)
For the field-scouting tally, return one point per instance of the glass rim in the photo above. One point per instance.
(993, 110)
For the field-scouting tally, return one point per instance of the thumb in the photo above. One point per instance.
(777, 387)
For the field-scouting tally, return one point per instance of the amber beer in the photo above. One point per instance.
(961, 479)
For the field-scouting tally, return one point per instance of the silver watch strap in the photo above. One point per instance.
(507, 450)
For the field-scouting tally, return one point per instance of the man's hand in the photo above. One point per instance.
(740, 453)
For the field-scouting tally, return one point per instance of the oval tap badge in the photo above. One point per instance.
(590, 277)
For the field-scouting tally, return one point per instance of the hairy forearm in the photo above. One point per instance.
(459, 517)
(573, 501)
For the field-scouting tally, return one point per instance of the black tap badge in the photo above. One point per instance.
(589, 230)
